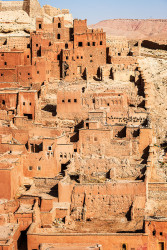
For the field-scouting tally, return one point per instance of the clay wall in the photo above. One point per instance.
(27, 104)
(51, 11)
(46, 205)
(128, 60)
(116, 169)
(39, 70)
(47, 162)
(124, 73)
(5, 184)
(68, 102)
(8, 101)
(8, 75)
(116, 198)
(108, 241)
(45, 131)
(125, 118)
(11, 179)
(157, 231)
(14, 43)
(94, 142)
(11, 5)
(24, 220)
(145, 139)
(64, 153)
(24, 75)
(17, 43)
(11, 59)
(64, 190)
(43, 163)
(80, 59)
(32, 8)
(61, 213)
(115, 102)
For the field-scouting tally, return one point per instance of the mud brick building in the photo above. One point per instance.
(78, 148)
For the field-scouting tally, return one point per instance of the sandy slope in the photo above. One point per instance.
(134, 28)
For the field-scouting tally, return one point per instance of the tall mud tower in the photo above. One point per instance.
(32, 7)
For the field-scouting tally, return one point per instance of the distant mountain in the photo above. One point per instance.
(134, 28)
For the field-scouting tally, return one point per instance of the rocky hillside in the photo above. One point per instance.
(134, 28)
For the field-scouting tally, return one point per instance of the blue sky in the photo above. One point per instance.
(97, 10)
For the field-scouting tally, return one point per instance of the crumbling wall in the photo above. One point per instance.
(11, 5)
(106, 200)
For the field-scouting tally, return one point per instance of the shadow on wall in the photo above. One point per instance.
(153, 45)
(51, 108)
(75, 137)
(141, 177)
(54, 191)
(145, 155)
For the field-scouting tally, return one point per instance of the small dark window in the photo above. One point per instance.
(154, 233)
(119, 54)
(28, 74)
(5, 63)
(38, 72)
(58, 57)
(108, 104)
(101, 43)
(28, 46)
(59, 25)
(80, 44)
(2, 54)
(66, 57)
(63, 100)
(65, 155)
(75, 150)
(50, 43)
(28, 56)
(36, 45)
(2, 74)
(93, 100)
(30, 168)
(81, 57)
(88, 44)
(69, 100)
(3, 102)
(50, 148)
(90, 55)
(30, 103)
(58, 36)
(66, 46)
(94, 44)
(95, 139)
(75, 100)
(40, 26)
(24, 103)
(161, 233)
(77, 57)
(61, 155)
(91, 61)
(39, 168)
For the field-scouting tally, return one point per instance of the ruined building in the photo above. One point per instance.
(78, 166)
